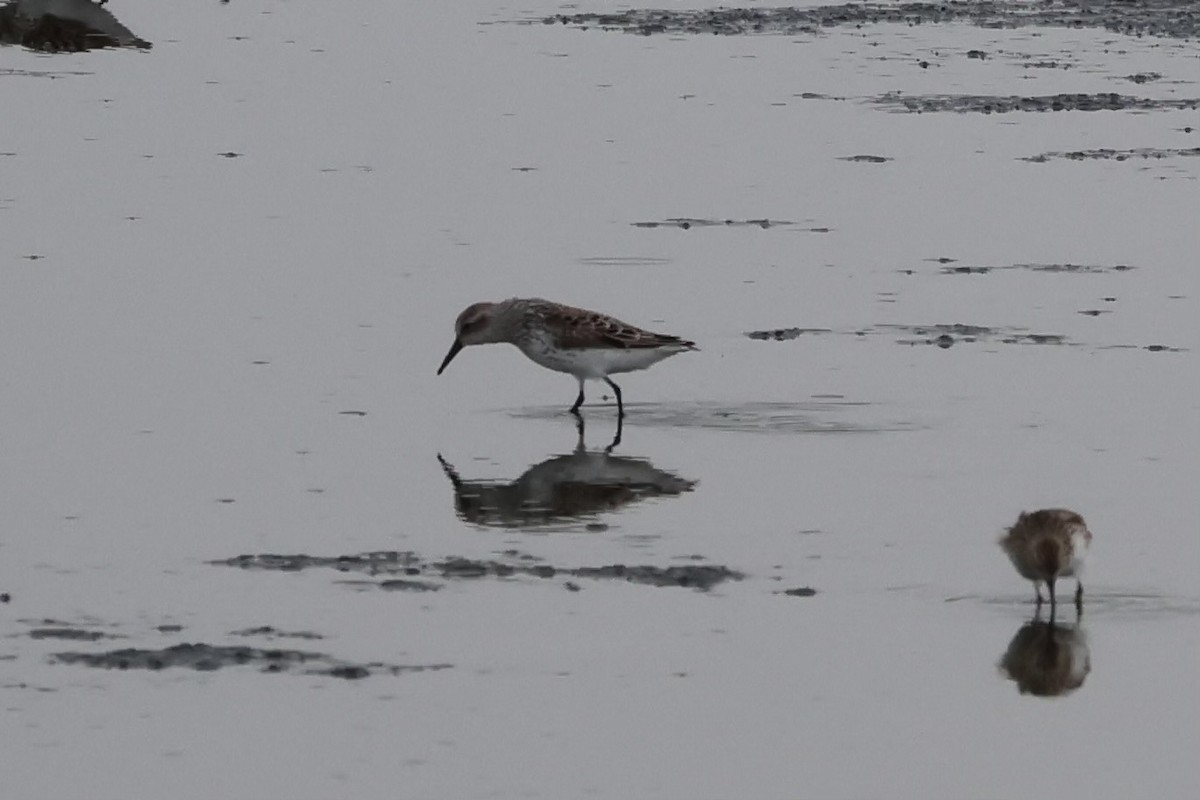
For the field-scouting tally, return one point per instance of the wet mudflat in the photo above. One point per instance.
(1160, 18)
(940, 263)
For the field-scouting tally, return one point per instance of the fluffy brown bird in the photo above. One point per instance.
(1047, 545)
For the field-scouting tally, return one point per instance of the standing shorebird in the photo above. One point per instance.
(1046, 545)
(582, 343)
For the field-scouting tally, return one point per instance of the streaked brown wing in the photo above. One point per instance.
(579, 328)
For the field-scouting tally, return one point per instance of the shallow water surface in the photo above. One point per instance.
(253, 547)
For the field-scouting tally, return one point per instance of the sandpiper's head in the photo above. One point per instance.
(473, 326)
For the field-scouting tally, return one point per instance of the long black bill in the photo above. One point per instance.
(454, 348)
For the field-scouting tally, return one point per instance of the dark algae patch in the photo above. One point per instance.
(1163, 18)
(1081, 269)
(691, 576)
(687, 223)
(1105, 154)
(68, 634)
(947, 335)
(697, 576)
(270, 632)
(209, 658)
(402, 585)
(992, 104)
(783, 334)
(389, 562)
(943, 335)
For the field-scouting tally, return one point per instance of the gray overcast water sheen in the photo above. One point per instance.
(252, 547)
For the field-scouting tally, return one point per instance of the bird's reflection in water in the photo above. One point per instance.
(564, 489)
(1047, 659)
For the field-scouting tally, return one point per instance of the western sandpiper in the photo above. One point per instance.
(586, 344)
(1046, 545)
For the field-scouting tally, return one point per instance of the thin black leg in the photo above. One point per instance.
(616, 439)
(1053, 600)
(617, 391)
(1037, 589)
(578, 400)
(1079, 598)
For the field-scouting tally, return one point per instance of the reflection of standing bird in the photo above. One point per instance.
(1047, 659)
(562, 490)
(1046, 545)
(586, 344)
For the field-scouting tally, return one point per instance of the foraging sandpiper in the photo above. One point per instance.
(586, 344)
(1046, 545)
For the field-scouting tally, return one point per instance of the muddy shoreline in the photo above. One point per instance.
(1161, 18)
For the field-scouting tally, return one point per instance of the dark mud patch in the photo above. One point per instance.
(693, 576)
(1163, 18)
(1076, 269)
(269, 632)
(784, 334)
(64, 26)
(1152, 348)
(994, 104)
(402, 585)
(394, 585)
(209, 658)
(39, 73)
(69, 634)
(687, 223)
(1105, 154)
(947, 335)
(389, 562)
(863, 159)
(799, 591)
(1047, 64)
(563, 491)
(943, 334)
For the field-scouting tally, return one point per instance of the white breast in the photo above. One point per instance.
(592, 362)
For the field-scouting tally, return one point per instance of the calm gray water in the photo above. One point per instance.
(230, 264)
